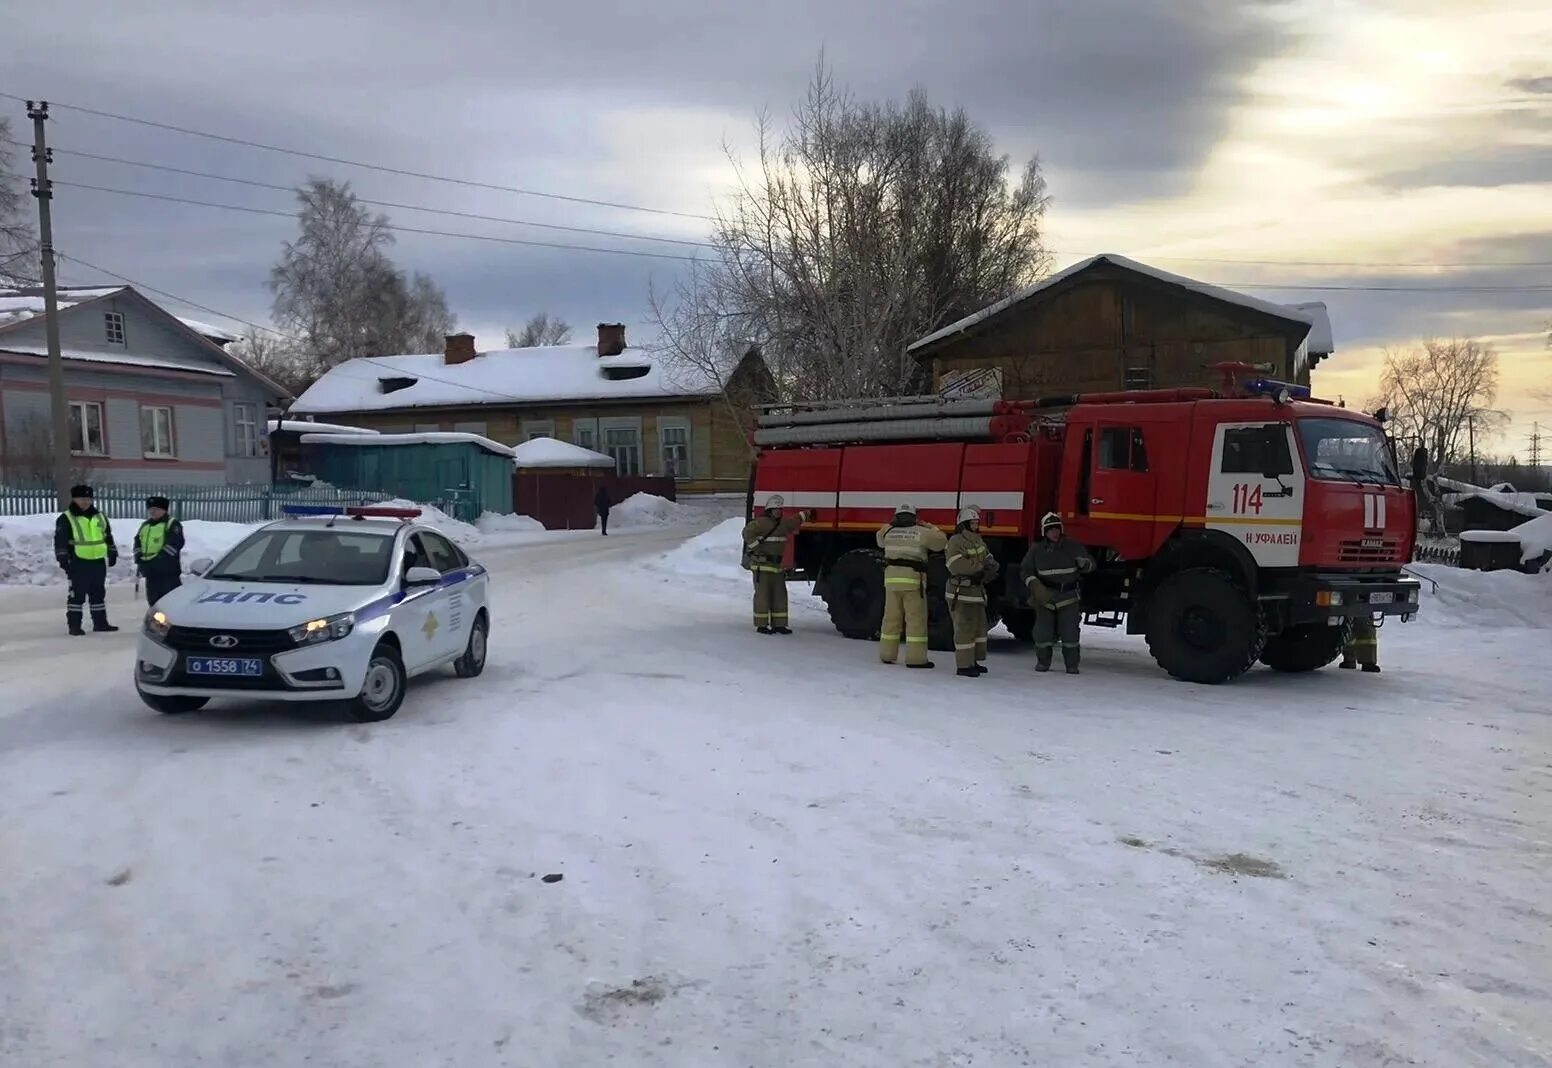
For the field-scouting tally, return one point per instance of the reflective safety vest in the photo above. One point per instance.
(153, 538)
(88, 536)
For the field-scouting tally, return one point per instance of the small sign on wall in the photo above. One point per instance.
(974, 382)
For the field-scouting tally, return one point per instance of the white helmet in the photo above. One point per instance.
(906, 509)
(969, 514)
(1049, 520)
(773, 502)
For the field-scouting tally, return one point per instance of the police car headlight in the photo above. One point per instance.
(157, 624)
(324, 630)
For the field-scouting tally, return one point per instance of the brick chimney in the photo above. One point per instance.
(460, 349)
(611, 339)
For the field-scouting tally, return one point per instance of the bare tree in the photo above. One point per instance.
(336, 289)
(276, 357)
(858, 230)
(541, 329)
(18, 242)
(27, 454)
(1442, 395)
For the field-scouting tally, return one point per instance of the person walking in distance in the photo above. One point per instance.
(1051, 572)
(970, 567)
(601, 506)
(83, 545)
(159, 550)
(1362, 647)
(907, 545)
(765, 543)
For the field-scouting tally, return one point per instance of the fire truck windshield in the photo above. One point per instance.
(1348, 451)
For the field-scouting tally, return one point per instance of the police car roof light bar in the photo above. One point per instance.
(297, 511)
(373, 512)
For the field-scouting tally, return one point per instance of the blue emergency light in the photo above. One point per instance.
(1270, 387)
(297, 510)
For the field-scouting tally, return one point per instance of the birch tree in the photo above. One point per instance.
(858, 229)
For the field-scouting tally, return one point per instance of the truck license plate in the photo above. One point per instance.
(240, 667)
(1382, 598)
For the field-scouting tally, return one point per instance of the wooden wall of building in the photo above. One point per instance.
(1113, 333)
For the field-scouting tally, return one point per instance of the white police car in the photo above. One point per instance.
(340, 606)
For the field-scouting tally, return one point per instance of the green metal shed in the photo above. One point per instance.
(462, 474)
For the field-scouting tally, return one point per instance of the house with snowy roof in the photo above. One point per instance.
(152, 397)
(1110, 323)
(627, 403)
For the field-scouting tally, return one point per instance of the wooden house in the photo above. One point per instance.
(1110, 323)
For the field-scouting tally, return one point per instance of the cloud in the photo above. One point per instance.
(1539, 84)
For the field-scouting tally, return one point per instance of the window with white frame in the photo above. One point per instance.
(624, 445)
(113, 327)
(584, 432)
(674, 439)
(156, 431)
(86, 435)
(245, 422)
(538, 428)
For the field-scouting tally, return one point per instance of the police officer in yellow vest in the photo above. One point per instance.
(906, 545)
(83, 545)
(159, 550)
(765, 543)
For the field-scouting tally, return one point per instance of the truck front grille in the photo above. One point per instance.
(248, 642)
(1369, 551)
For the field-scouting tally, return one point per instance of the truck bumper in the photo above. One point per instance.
(1335, 598)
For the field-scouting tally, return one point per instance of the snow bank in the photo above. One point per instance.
(1535, 538)
(714, 554)
(646, 510)
(27, 547)
(549, 452)
(493, 526)
(1454, 596)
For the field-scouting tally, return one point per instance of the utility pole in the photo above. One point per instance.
(59, 409)
(1535, 445)
(1471, 437)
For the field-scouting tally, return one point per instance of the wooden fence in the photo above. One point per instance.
(226, 504)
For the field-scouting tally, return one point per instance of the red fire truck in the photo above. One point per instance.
(1229, 526)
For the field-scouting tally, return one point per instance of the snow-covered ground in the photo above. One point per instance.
(775, 851)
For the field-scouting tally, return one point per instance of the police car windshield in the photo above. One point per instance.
(1347, 451)
(323, 557)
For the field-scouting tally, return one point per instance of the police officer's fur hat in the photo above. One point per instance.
(80, 490)
(158, 502)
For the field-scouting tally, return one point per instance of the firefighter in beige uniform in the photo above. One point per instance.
(1362, 646)
(907, 545)
(765, 542)
(970, 567)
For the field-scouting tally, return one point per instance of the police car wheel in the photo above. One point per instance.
(172, 706)
(382, 690)
(472, 662)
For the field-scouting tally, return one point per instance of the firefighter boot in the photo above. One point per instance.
(1371, 669)
(968, 673)
(1347, 665)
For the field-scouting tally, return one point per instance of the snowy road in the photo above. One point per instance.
(777, 852)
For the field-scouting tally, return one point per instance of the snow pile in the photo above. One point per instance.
(27, 547)
(1454, 596)
(1535, 538)
(550, 452)
(494, 526)
(714, 554)
(646, 510)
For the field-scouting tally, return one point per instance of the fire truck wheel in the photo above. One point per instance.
(1307, 648)
(1203, 627)
(854, 593)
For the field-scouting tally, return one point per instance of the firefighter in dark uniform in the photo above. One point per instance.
(159, 550)
(1362, 647)
(1051, 572)
(83, 545)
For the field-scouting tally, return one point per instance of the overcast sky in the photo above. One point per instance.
(1183, 133)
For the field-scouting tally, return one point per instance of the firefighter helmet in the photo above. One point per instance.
(774, 502)
(1049, 520)
(906, 509)
(969, 514)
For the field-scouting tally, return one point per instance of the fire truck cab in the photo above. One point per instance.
(1227, 529)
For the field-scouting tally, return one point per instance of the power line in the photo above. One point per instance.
(376, 203)
(1349, 263)
(175, 297)
(468, 182)
(390, 226)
